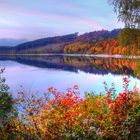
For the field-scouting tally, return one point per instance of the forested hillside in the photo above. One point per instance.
(125, 42)
(108, 46)
(97, 42)
(45, 45)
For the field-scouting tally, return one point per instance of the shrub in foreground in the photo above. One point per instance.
(68, 116)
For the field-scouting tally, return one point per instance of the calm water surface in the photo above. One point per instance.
(35, 74)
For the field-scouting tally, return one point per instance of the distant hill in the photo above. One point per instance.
(8, 42)
(98, 35)
(48, 45)
(57, 44)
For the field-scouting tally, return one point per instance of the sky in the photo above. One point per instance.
(33, 19)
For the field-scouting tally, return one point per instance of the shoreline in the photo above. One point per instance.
(76, 55)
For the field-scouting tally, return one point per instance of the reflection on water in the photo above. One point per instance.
(40, 72)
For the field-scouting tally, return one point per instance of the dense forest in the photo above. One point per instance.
(126, 42)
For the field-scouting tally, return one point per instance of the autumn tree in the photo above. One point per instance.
(128, 12)
(130, 37)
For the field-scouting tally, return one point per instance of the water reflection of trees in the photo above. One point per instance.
(94, 65)
(106, 65)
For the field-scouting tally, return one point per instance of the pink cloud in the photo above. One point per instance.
(22, 11)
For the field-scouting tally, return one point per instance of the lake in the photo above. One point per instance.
(36, 73)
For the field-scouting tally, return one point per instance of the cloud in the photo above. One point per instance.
(40, 17)
(9, 23)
